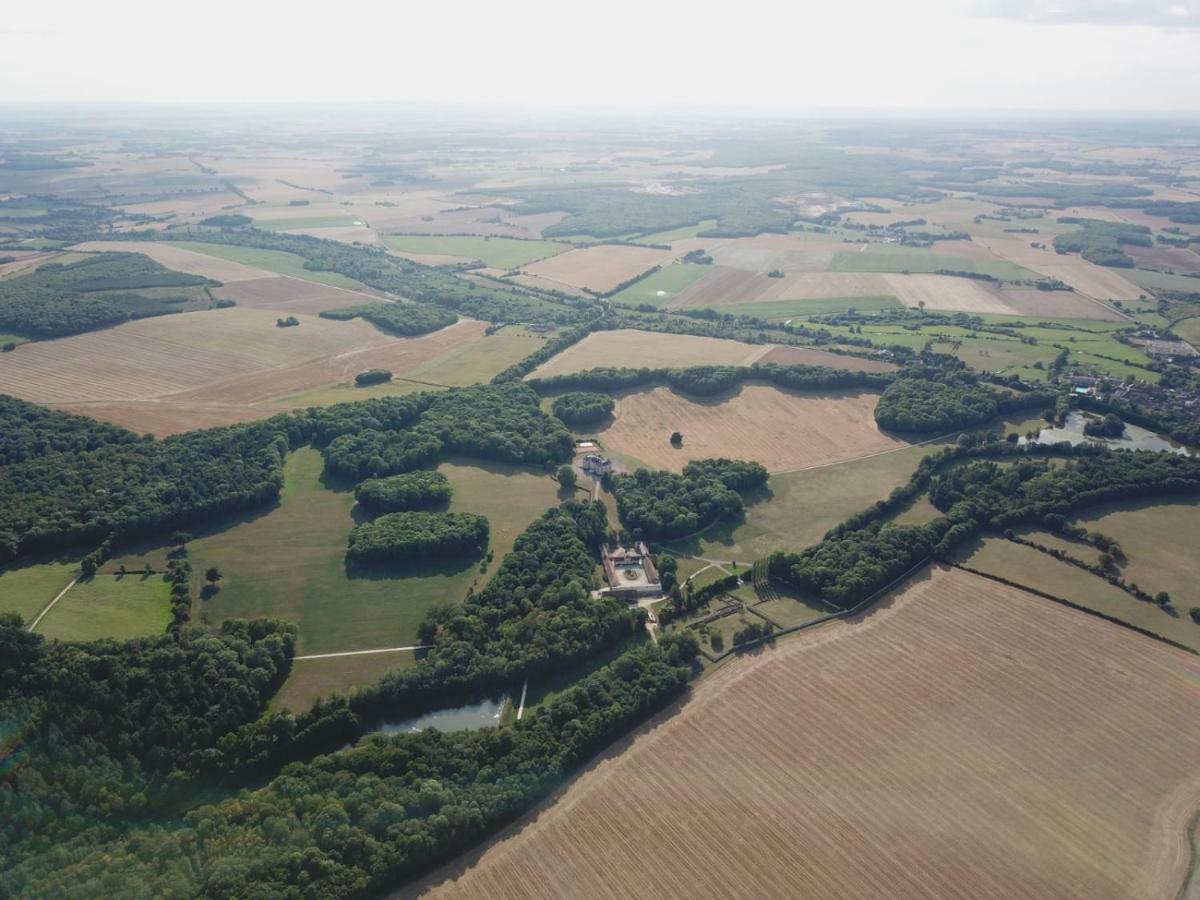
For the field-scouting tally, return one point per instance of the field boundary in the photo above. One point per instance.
(1145, 632)
(840, 614)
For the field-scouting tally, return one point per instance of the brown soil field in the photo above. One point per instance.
(1088, 278)
(1172, 259)
(157, 356)
(600, 268)
(962, 739)
(181, 260)
(398, 355)
(780, 429)
(293, 295)
(634, 349)
(805, 356)
(173, 373)
(542, 284)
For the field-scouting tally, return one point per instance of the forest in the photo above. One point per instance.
(414, 490)
(582, 407)
(937, 399)
(707, 381)
(662, 505)
(56, 300)
(414, 534)
(400, 319)
(1100, 242)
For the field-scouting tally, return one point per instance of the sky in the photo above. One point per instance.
(767, 56)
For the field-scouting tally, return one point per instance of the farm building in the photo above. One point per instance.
(630, 570)
(596, 465)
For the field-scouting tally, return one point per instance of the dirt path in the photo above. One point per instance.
(349, 652)
(49, 606)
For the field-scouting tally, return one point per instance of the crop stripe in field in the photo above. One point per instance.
(357, 652)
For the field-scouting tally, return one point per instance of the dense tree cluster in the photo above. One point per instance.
(852, 563)
(503, 423)
(662, 505)
(707, 381)
(354, 823)
(414, 490)
(403, 319)
(227, 220)
(418, 535)
(97, 292)
(1108, 427)
(29, 431)
(373, 376)
(97, 733)
(1100, 242)
(933, 399)
(582, 407)
(132, 488)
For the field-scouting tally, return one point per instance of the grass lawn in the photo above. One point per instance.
(774, 310)
(895, 258)
(663, 285)
(797, 508)
(471, 362)
(1032, 568)
(1189, 330)
(26, 587)
(496, 252)
(110, 606)
(787, 612)
(1159, 540)
(272, 261)
(290, 562)
(1157, 281)
(12, 339)
(312, 679)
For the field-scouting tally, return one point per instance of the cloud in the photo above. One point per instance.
(1154, 13)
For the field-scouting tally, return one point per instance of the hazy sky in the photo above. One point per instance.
(748, 54)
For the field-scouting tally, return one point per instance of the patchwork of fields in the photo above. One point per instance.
(962, 738)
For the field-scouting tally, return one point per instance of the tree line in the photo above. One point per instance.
(401, 319)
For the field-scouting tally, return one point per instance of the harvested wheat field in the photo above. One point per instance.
(200, 368)
(965, 739)
(634, 349)
(807, 356)
(181, 260)
(293, 295)
(780, 429)
(1089, 279)
(601, 268)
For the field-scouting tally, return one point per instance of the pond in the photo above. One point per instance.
(1135, 438)
(485, 714)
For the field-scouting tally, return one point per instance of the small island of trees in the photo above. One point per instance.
(582, 407)
(413, 490)
(418, 535)
(372, 376)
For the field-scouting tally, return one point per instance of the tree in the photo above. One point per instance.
(213, 575)
(1162, 598)
(1194, 612)
(676, 439)
(566, 477)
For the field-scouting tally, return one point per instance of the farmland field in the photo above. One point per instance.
(110, 606)
(1032, 568)
(647, 348)
(601, 268)
(271, 261)
(497, 252)
(661, 287)
(780, 429)
(963, 738)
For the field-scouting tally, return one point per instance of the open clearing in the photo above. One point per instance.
(601, 268)
(26, 587)
(965, 739)
(175, 256)
(110, 606)
(311, 679)
(780, 429)
(663, 286)
(290, 563)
